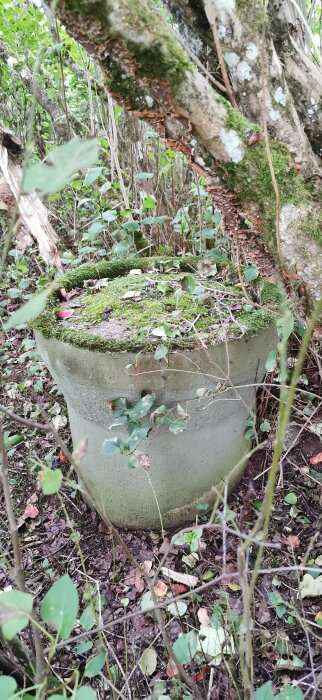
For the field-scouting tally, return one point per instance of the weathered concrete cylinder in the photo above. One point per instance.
(184, 467)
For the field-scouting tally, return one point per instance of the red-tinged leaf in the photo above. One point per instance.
(160, 589)
(289, 276)
(62, 457)
(80, 450)
(254, 138)
(69, 295)
(293, 540)
(316, 459)
(67, 313)
(171, 669)
(31, 511)
(294, 166)
(202, 674)
(178, 588)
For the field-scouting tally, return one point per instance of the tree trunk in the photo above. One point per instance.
(148, 70)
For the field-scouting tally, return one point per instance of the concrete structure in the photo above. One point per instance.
(184, 467)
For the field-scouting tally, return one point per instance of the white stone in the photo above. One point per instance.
(274, 115)
(280, 97)
(243, 71)
(233, 144)
(222, 31)
(252, 52)
(232, 59)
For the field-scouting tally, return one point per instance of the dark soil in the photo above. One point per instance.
(50, 549)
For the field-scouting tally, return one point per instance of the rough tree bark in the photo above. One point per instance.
(148, 70)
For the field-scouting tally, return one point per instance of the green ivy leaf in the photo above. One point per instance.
(185, 647)
(144, 176)
(289, 693)
(59, 607)
(87, 619)
(133, 462)
(91, 176)
(85, 693)
(290, 498)
(111, 447)
(63, 162)
(271, 361)
(95, 665)
(142, 407)
(189, 283)
(161, 352)
(265, 692)
(265, 426)
(178, 609)
(251, 273)
(30, 310)
(285, 325)
(15, 609)
(12, 440)
(208, 233)
(82, 647)
(8, 687)
(109, 215)
(50, 480)
(148, 661)
(177, 426)
(154, 220)
(150, 202)
(131, 226)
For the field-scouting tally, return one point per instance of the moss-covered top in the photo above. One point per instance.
(171, 302)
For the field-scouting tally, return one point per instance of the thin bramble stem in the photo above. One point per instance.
(19, 575)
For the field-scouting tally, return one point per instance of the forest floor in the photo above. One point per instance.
(287, 631)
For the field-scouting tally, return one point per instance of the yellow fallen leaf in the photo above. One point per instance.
(318, 618)
(233, 586)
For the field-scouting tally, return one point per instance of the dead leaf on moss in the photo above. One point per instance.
(66, 313)
(132, 294)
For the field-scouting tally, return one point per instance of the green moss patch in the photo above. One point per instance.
(251, 179)
(108, 318)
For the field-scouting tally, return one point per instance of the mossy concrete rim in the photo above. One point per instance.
(47, 325)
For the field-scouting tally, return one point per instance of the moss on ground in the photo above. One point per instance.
(156, 307)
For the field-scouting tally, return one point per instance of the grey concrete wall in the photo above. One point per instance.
(183, 467)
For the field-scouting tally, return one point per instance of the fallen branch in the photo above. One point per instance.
(32, 212)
